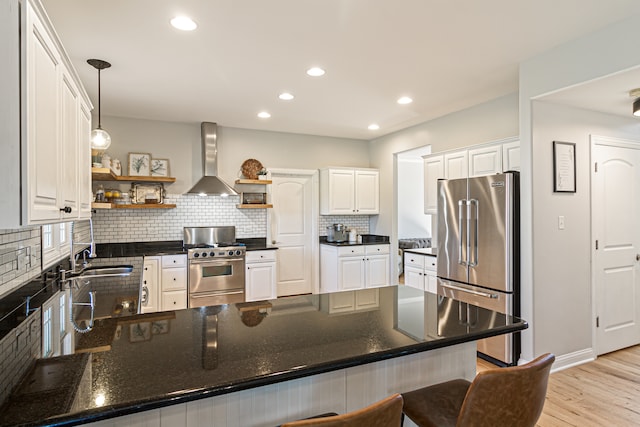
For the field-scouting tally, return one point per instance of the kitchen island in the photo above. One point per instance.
(262, 363)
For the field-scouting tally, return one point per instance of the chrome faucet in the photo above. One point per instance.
(91, 252)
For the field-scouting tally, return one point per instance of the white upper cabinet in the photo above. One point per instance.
(345, 191)
(367, 188)
(433, 171)
(456, 164)
(48, 162)
(485, 160)
(511, 156)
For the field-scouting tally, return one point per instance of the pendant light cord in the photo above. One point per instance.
(99, 115)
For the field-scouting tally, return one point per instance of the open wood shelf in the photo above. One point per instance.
(102, 205)
(253, 181)
(254, 206)
(105, 174)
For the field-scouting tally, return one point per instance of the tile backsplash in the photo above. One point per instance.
(143, 225)
(140, 225)
(20, 257)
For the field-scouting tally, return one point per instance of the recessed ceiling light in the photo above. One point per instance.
(184, 23)
(285, 96)
(264, 115)
(315, 72)
(373, 126)
(405, 100)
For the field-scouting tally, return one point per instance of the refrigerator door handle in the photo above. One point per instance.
(472, 234)
(469, 291)
(461, 206)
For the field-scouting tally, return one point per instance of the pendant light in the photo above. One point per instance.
(100, 139)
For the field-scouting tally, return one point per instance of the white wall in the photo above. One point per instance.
(562, 258)
(412, 221)
(593, 56)
(180, 143)
(490, 121)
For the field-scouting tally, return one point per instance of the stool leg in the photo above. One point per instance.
(402, 419)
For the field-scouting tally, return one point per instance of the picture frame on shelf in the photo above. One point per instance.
(159, 167)
(139, 164)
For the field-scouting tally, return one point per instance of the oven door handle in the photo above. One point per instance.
(213, 260)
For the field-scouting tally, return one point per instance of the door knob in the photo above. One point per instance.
(637, 257)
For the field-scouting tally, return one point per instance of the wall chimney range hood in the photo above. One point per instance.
(210, 184)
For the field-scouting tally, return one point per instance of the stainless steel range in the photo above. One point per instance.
(216, 266)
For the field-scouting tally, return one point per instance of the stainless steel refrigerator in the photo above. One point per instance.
(478, 251)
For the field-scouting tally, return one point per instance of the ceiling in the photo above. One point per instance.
(445, 54)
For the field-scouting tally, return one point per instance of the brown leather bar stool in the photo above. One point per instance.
(385, 413)
(502, 397)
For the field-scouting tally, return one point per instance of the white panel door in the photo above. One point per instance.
(414, 277)
(84, 162)
(291, 224)
(433, 171)
(43, 138)
(456, 165)
(616, 209)
(367, 192)
(485, 160)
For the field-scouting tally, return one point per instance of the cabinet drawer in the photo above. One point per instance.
(429, 263)
(351, 250)
(414, 260)
(174, 300)
(376, 249)
(174, 261)
(260, 256)
(174, 278)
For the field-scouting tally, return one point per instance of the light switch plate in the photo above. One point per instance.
(561, 222)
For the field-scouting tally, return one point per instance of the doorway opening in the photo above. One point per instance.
(414, 227)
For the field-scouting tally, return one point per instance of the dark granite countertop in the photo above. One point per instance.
(367, 239)
(161, 359)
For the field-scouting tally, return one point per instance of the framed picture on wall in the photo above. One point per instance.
(564, 167)
(139, 164)
(159, 167)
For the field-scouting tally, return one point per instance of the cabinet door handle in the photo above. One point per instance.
(66, 209)
(145, 282)
(174, 279)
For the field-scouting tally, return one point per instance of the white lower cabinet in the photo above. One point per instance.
(344, 268)
(164, 283)
(420, 271)
(260, 277)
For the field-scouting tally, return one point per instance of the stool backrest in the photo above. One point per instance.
(510, 397)
(385, 413)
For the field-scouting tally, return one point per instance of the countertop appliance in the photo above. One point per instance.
(479, 254)
(337, 233)
(216, 266)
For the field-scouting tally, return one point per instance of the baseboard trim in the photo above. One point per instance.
(569, 360)
(573, 359)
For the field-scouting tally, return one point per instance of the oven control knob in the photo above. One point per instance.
(238, 252)
(212, 253)
(230, 252)
(196, 255)
(204, 254)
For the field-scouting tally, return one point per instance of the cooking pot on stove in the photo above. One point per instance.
(337, 233)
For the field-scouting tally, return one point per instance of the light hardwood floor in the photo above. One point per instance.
(605, 392)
